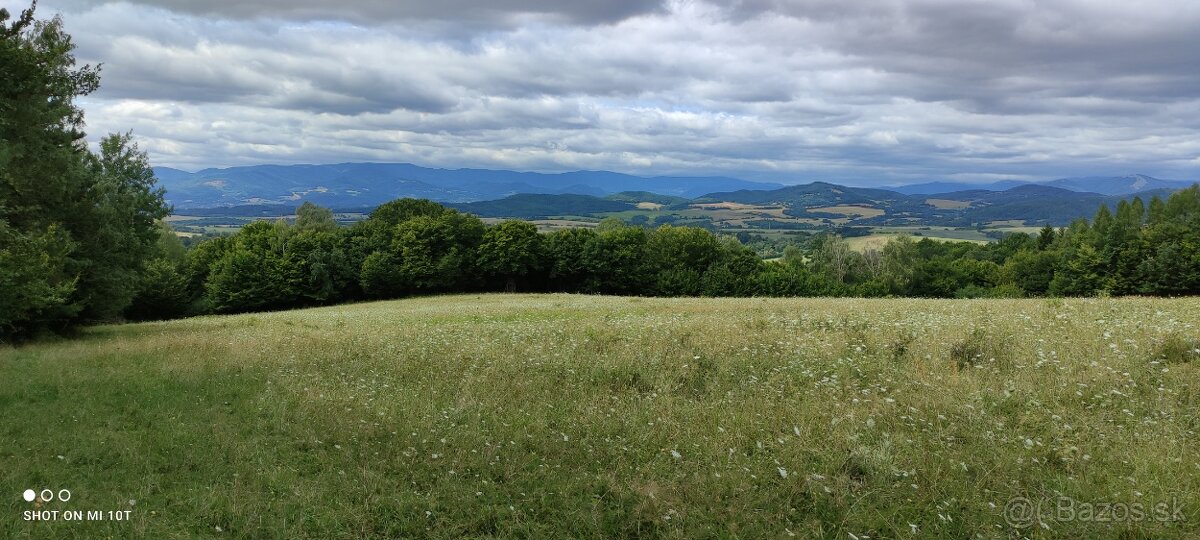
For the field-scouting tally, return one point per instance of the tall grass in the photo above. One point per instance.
(558, 416)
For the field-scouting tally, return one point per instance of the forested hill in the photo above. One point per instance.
(1105, 185)
(510, 194)
(371, 184)
(821, 203)
(533, 206)
(814, 194)
(1030, 203)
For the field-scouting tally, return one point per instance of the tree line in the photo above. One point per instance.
(417, 247)
(82, 238)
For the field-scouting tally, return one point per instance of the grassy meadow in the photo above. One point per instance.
(565, 416)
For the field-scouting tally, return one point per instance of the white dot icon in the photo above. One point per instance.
(30, 495)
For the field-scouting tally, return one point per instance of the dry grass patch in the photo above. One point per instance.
(850, 210)
(948, 204)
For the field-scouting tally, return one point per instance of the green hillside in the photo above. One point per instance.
(560, 416)
(646, 196)
(532, 206)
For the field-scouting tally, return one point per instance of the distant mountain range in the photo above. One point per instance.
(370, 184)
(1104, 185)
(271, 189)
(1026, 203)
(823, 204)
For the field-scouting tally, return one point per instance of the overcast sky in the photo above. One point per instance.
(864, 91)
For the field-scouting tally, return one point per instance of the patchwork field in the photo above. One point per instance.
(948, 204)
(849, 210)
(549, 225)
(877, 241)
(554, 416)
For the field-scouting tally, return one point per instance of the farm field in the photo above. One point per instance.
(729, 221)
(552, 416)
(551, 225)
(876, 241)
(956, 234)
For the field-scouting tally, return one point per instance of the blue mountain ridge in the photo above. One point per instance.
(362, 185)
(369, 184)
(1104, 185)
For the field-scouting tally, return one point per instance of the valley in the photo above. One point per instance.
(574, 200)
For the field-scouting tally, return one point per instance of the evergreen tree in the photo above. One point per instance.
(90, 220)
(1171, 242)
(1046, 238)
(162, 292)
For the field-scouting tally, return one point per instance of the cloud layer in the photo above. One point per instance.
(877, 91)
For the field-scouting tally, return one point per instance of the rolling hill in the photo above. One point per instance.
(821, 203)
(1104, 185)
(643, 197)
(1030, 203)
(814, 194)
(935, 188)
(539, 206)
(265, 189)
(1121, 185)
(806, 206)
(370, 184)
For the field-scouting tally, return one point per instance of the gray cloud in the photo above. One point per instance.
(871, 91)
(373, 11)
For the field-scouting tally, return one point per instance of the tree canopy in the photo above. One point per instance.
(77, 228)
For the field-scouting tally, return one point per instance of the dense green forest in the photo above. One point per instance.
(413, 247)
(81, 238)
(76, 226)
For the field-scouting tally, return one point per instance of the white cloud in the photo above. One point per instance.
(878, 91)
